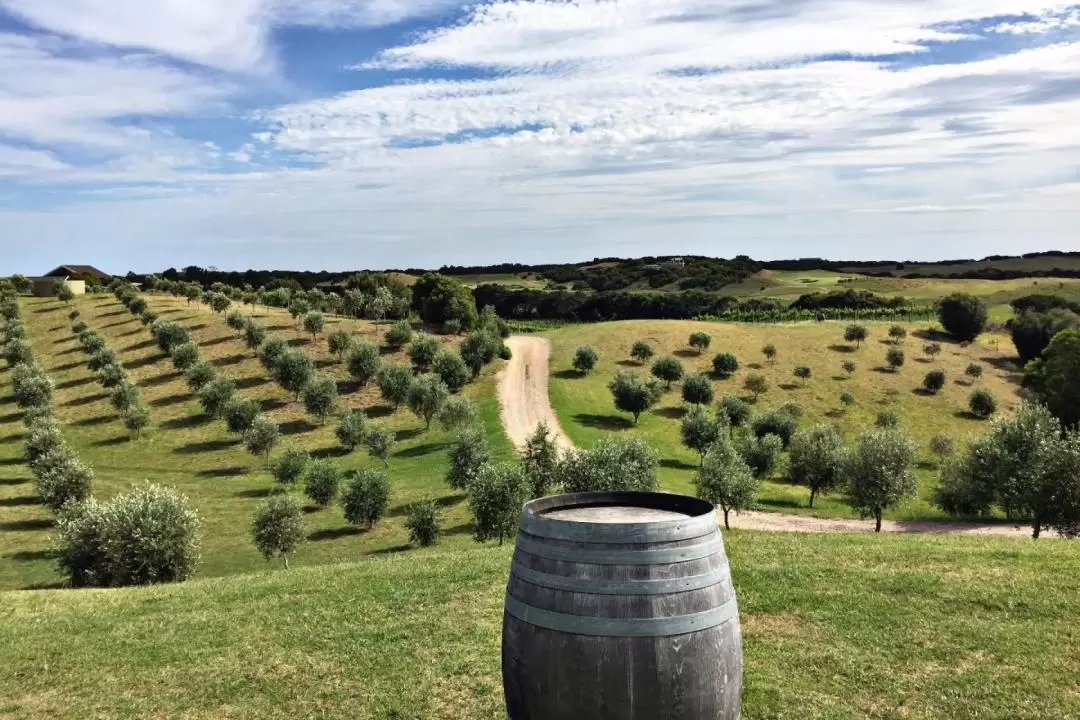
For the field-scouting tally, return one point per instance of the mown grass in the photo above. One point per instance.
(184, 449)
(835, 626)
(587, 412)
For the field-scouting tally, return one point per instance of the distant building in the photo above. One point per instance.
(76, 276)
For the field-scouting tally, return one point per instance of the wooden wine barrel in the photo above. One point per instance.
(620, 607)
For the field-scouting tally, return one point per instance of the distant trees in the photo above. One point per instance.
(879, 473)
(897, 333)
(769, 351)
(438, 299)
(725, 364)
(585, 359)
(963, 316)
(700, 341)
(856, 334)
(1055, 377)
(313, 324)
(634, 394)
(1032, 330)
(931, 350)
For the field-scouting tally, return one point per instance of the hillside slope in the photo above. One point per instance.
(840, 626)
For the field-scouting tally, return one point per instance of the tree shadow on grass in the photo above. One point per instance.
(443, 502)
(231, 471)
(295, 427)
(115, 313)
(170, 400)
(200, 326)
(460, 529)
(334, 533)
(10, 417)
(129, 333)
(672, 413)
(11, 438)
(109, 442)
(931, 334)
(18, 501)
(674, 464)
(836, 347)
(788, 386)
(11, 461)
(685, 353)
(91, 421)
(380, 411)
(14, 481)
(75, 383)
(70, 351)
(144, 361)
(968, 415)
(926, 465)
(25, 525)
(205, 446)
(120, 323)
(923, 360)
(140, 346)
(228, 360)
(32, 555)
(603, 422)
(161, 379)
(331, 451)
(255, 492)
(68, 366)
(392, 550)
(85, 400)
(405, 435)
(781, 503)
(923, 392)
(215, 341)
(835, 413)
(421, 450)
(296, 342)
(629, 363)
(250, 382)
(567, 374)
(883, 370)
(268, 404)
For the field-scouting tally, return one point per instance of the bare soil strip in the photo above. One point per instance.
(523, 398)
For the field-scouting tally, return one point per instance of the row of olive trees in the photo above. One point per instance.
(123, 393)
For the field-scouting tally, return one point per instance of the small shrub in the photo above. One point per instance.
(974, 371)
(700, 341)
(982, 404)
(322, 482)
(847, 399)
(641, 351)
(321, 398)
(451, 327)
(803, 373)
(613, 464)
(290, 467)
(791, 408)
(585, 359)
(934, 381)
(895, 358)
(271, 351)
(422, 521)
(124, 396)
(756, 384)
(887, 419)
(216, 394)
(769, 351)
(849, 367)
(262, 437)
(725, 364)
(399, 335)
(505, 353)
(897, 333)
(496, 495)
(451, 369)
(279, 527)
(136, 419)
(366, 497)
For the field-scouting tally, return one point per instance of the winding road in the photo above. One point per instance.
(524, 403)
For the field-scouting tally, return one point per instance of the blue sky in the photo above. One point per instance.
(340, 134)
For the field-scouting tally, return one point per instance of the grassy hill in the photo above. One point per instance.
(836, 627)
(586, 410)
(185, 449)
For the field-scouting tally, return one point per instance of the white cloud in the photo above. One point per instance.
(355, 13)
(1050, 21)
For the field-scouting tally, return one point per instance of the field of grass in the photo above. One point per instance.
(509, 280)
(185, 449)
(1032, 264)
(586, 411)
(835, 627)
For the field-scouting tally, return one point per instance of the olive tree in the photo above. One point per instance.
(279, 527)
(60, 478)
(496, 495)
(216, 394)
(64, 293)
(982, 404)
(236, 320)
(219, 302)
(641, 351)
(668, 370)
(422, 351)
(879, 473)
(350, 431)
(849, 367)
(399, 334)
(724, 479)
(293, 371)
(613, 464)
(426, 396)
(973, 371)
(769, 351)
(168, 335)
(942, 447)
(185, 355)
(634, 394)
(451, 369)
(700, 341)
(897, 333)
(895, 358)
(340, 343)
(290, 467)
(322, 481)
(363, 362)
(379, 440)
(468, 455)
(239, 414)
(585, 359)
(737, 410)
(314, 322)
(394, 381)
(254, 335)
(321, 398)
(803, 373)
(699, 430)
(136, 419)
(816, 459)
(932, 349)
(262, 437)
(422, 520)
(756, 384)
(725, 364)
(271, 351)
(1055, 377)
(200, 375)
(963, 316)
(934, 381)
(367, 493)
(540, 458)
(697, 389)
(124, 396)
(457, 412)
(855, 333)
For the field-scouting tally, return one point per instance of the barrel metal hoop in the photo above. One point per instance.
(622, 627)
(595, 586)
(669, 531)
(660, 556)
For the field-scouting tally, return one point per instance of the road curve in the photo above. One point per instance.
(524, 403)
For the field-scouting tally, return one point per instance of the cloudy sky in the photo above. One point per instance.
(142, 134)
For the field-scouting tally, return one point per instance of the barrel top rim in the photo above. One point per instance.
(686, 506)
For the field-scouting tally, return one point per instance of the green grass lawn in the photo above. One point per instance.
(835, 627)
(184, 449)
(586, 411)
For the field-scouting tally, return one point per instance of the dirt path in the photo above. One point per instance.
(523, 391)
(523, 398)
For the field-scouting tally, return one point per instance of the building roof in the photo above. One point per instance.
(69, 270)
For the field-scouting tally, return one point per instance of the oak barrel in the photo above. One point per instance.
(620, 607)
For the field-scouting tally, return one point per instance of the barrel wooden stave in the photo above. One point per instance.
(551, 673)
